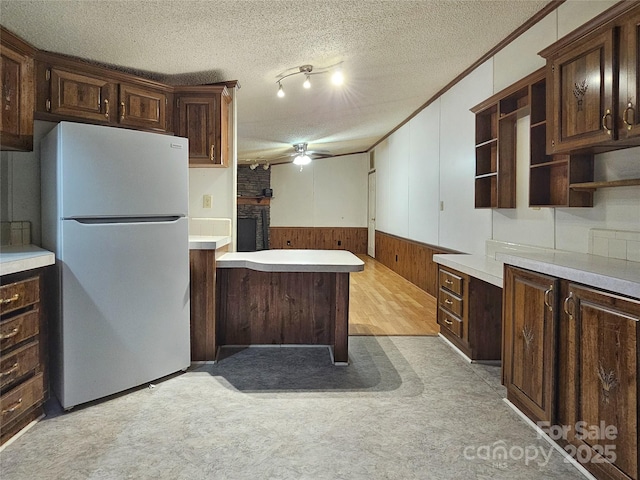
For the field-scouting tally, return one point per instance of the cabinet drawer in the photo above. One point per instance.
(19, 328)
(450, 322)
(450, 302)
(450, 281)
(20, 399)
(18, 363)
(19, 294)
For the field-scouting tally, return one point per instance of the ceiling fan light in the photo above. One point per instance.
(337, 78)
(307, 83)
(302, 159)
(280, 90)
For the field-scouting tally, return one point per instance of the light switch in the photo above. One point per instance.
(206, 201)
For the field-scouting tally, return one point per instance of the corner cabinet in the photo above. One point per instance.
(202, 115)
(17, 95)
(592, 82)
(571, 357)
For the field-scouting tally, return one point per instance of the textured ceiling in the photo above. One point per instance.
(395, 55)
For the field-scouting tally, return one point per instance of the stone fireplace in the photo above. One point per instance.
(253, 208)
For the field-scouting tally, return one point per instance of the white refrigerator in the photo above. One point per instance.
(114, 211)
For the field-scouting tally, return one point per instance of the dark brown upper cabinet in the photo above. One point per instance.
(202, 116)
(592, 84)
(71, 89)
(16, 99)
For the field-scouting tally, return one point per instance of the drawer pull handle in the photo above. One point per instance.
(6, 373)
(448, 282)
(211, 153)
(13, 407)
(448, 322)
(11, 334)
(448, 302)
(122, 111)
(106, 108)
(14, 298)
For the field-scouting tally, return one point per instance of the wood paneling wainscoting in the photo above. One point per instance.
(353, 239)
(410, 259)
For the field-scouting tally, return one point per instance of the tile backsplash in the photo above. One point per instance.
(15, 233)
(615, 244)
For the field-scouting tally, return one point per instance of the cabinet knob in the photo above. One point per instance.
(605, 117)
(625, 116)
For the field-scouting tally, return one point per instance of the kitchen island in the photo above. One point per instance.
(285, 297)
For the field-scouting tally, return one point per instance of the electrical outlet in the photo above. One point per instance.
(206, 201)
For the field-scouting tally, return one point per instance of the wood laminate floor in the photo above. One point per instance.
(383, 303)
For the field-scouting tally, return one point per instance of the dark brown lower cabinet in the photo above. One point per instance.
(528, 343)
(598, 380)
(570, 359)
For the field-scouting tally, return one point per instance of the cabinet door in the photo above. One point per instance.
(604, 329)
(16, 102)
(581, 102)
(529, 326)
(142, 107)
(76, 95)
(197, 122)
(629, 117)
(225, 104)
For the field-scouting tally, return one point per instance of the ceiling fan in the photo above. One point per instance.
(301, 155)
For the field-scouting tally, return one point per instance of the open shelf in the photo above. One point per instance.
(486, 191)
(514, 101)
(487, 125)
(591, 186)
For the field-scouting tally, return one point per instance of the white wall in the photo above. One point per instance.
(330, 192)
(220, 183)
(462, 227)
(20, 183)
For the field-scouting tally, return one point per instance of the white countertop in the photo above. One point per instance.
(618, 276)
(208, 242)
(293, 261)
(478, 266)
(19, 258)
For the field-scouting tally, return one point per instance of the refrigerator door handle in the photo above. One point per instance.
(103, 220)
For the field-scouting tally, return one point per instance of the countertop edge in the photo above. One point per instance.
(32, 261)
(203, 242)
(471, 268)
(593, 279)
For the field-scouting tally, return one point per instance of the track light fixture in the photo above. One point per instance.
(337, 78)
(253, 166)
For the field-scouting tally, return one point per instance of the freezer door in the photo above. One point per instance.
(107, 171)
(125, 306)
